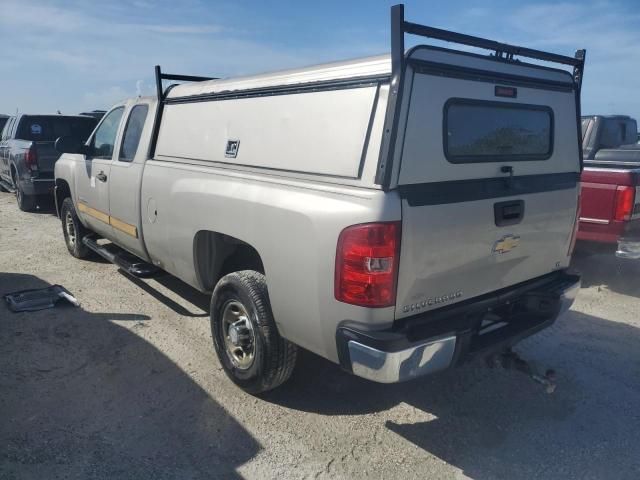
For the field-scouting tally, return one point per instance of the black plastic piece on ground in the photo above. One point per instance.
(38, 299)
(128, 262)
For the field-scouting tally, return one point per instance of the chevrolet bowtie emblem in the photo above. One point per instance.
(506, 244)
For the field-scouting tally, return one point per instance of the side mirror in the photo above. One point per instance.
(69, 145)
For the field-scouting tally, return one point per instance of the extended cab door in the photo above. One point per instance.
(488, 176)
(126, 176)
(92, 181)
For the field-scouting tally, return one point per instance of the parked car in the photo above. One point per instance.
(27, 153)
(610, 200)
(394, 215)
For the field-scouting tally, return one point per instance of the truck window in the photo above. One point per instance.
(105, 136)
(3, 122)
(616, 132)
(132, 133)
(47, 128)
(585, 125)
(485, 131)
(6, 131)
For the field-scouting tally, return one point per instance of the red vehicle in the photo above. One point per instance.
(610, 201)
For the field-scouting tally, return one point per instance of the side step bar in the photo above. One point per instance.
(128, 262)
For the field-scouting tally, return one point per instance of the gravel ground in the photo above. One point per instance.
(128, 386)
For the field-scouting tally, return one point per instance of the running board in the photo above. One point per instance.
(126, 261)
(7, 186)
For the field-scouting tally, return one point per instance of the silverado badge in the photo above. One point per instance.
(506, 244)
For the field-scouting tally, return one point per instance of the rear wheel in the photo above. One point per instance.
(73, 230)
(26, 203)
(252, 352)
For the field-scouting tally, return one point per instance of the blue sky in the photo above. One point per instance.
(77, 55)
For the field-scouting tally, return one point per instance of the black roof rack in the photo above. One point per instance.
(504, 51)
(179, 78)
(161, 94)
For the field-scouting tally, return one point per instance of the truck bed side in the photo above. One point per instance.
(598, 203)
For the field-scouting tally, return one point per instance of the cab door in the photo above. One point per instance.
(126, 177)
(92, 181)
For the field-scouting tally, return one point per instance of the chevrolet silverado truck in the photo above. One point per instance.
(27, 152)
(610, 199)
(396, 215)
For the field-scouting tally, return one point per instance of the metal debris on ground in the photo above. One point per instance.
(510, 360)
(39, 298)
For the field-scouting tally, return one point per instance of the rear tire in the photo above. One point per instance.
(73, 230)
(26, 203)
(252, 353)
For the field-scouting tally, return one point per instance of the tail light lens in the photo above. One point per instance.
(367, 264)
(625, 198)
(31, 158)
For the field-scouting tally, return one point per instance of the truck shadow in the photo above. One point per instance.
(605, 269)
(500, 424)
(179, 288)
(84, 397)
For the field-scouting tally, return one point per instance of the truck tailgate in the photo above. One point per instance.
(488, 177)
(47, 157)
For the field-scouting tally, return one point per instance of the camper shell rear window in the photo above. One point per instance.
(477, 131)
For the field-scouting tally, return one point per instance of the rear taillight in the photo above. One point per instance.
(367, 264)
(31, 158)
(576, 225)
(625, 198)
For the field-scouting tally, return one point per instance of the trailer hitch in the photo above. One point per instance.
(510, 360)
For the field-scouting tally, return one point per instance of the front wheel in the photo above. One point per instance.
(73, 230)
(252, 352)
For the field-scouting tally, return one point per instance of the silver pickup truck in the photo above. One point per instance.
(397, 215)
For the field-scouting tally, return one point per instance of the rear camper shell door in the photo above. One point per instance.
(454, 101)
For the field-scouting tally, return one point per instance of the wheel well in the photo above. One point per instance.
(216, 254)
(62, 191)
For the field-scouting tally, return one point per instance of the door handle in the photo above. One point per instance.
(101, 176)
(508, 213)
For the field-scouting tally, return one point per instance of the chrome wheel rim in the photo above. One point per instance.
(239, 336)
(70, 229)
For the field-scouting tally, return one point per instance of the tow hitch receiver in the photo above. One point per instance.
(510, 360)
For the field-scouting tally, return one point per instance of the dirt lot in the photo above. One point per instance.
(127, 386)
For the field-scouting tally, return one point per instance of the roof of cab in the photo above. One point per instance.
(361, 67)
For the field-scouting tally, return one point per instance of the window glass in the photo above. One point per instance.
(132, 133)
(105, 136)
(479, 131)
(6, 131)
(48, 128)
(585, 125)
(3, 122)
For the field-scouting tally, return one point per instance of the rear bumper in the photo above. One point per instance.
(38, 186)
(435, 341)
(629, 242)
(628, 249)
